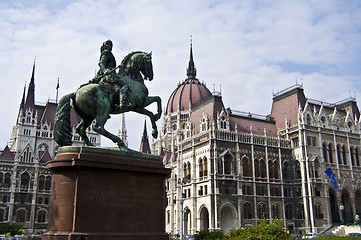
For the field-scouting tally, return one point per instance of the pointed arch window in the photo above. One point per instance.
(245, 166)
(300, 212)
(276, 169)
(205, 167)
(318, 211)
(308, 119)
(330, 150)
(227, 164)
(247, 210)
(41, 184)
(7, 180)
(201, 167)
(288, 211)
(24, 182)
(257, 168)
(352, 156)
(339, 155)
(275, 211)
(41, 218)
(262, 168)
(262, 211)
(343, 152)
(285, 170)
(20, 216)
(324, 151)
(357, 156)
(270, 169)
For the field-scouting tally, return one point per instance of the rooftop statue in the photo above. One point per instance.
(114, 90)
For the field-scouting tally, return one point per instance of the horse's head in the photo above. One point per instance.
(146, 66)
(136, 64)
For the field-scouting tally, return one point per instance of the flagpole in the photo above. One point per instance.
(57, 91)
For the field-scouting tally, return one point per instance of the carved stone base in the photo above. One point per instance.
(107, 194)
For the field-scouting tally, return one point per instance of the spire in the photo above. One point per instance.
(23, 99)
(30, 98)
(144, 145)
(122, 131)
(191, 70)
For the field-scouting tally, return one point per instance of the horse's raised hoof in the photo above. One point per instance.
(155, 133)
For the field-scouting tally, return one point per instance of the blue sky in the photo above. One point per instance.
(249, 49)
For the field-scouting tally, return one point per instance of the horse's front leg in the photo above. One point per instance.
(151, 99)
(152, 119)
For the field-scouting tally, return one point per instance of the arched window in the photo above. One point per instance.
(316, 167)
(227, 164)
(352, 156)
(262, 211)
(285, 170)
(205, 167)
(7, 180)
(201, 167)
(24, 182)
(276, 170)
(330, 158)
(256, 167)
(357, 156)
(275, 211)
(247, 210)
(246, 172)
(324, 151)
(41, 184)
(262, 167)
(300, 213)
(288, 211)
(41, 218)
(308, 119)
(48, 183)
(343, 151)
(318, 211)
(339, 156)
(1, 180)
(270, 169)
(20, 216)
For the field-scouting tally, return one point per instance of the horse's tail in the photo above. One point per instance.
(62, 126)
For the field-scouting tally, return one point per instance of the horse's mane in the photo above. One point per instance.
(127, 58)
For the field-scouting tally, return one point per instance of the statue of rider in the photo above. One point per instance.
(107, 74)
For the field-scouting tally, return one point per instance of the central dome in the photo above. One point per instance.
(190, 93)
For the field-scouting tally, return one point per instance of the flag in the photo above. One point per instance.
(332, 177)
(57, 85)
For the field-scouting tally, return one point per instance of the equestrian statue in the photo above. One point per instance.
(114, 90)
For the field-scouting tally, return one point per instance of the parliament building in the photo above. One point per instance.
(232, 169)
(25, 182)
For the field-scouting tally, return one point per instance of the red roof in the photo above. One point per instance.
(46, 157)
(7, 153)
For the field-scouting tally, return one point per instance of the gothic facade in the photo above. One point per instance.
(25, 182)
(234, 169)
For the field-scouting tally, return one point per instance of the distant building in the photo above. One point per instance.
(234, 169)
(24, 180)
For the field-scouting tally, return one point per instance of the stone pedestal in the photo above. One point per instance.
(107, 194)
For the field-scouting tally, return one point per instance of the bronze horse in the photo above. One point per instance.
(92, 102)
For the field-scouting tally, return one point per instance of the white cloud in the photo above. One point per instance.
(245, 46)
